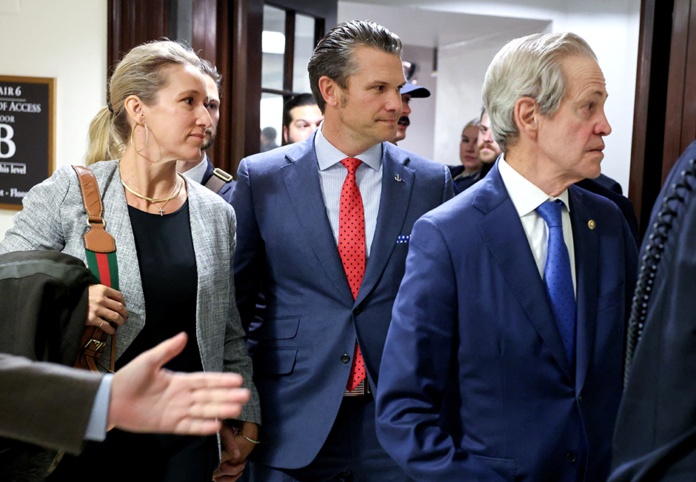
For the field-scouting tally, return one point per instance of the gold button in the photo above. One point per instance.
(591, 224)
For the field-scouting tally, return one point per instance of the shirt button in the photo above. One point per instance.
(571, 457)
(345, 358)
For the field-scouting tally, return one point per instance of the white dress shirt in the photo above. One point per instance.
(527, 197)
(197, 172)
(332, 174)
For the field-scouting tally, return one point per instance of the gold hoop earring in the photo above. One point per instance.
(147, 138)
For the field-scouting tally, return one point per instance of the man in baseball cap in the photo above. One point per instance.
(408, 92)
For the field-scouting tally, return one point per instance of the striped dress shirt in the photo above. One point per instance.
(332, 174)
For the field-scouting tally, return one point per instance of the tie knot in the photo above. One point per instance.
(550, 211)
(351, 164)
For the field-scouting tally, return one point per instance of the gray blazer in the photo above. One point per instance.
(54, 217)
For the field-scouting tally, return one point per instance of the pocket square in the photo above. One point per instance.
(403, 238)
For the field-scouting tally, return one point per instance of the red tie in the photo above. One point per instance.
(351, 247)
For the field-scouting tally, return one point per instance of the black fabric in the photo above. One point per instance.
(624, 204)
(609, 183)
(168, 273)
(169, 277)
(43, 295)
(655, 437)
(463, 183)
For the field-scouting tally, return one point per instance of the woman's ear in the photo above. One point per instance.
(527, 117)
(134, 107)
(330, 91)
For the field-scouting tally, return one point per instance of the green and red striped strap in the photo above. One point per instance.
(104, 268)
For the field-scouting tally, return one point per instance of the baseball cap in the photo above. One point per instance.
(416, 91)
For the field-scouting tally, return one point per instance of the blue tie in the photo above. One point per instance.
(558, 277)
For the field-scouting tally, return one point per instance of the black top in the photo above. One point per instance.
(169, 277)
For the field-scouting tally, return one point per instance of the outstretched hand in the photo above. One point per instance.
(147, 398)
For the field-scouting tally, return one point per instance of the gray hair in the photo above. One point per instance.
(528, 67)
(333, 55)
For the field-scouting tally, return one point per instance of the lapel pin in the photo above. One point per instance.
(591, 224)
(397, 178)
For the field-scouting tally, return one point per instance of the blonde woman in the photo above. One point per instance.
(175, 242)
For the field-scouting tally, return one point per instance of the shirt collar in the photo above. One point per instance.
(328, 155)
(197, 172)
(525, 196)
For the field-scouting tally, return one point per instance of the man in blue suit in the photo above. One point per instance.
(323, 231)
(503, 360)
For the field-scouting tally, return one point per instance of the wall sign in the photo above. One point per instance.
(27, 136)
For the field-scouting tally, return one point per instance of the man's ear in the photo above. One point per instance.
(330, 91)
(285, 134)
(134, 107)
(527, 117)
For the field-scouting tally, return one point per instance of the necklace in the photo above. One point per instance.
(175, 194)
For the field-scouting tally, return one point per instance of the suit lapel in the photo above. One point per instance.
(586, 268)
(503, 234)
(393, 206)
(301, 177)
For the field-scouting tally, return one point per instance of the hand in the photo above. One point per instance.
(106, 306)
(147, 398)
(235, 451)
(229, 472)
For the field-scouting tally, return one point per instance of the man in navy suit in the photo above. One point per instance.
(323, 230)
(202, 170)
(503, 360)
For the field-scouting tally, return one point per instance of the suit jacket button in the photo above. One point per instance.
(345, 358)
(357, 311)
(571, 457)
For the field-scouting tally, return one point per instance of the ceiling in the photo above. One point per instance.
(433, 28)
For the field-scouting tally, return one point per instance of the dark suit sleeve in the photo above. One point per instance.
(420, 350)
(249, 254)
(45, 404)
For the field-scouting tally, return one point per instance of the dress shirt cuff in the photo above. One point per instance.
(96, 428)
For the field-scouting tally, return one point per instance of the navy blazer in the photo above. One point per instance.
(286, 250)
(225, 191)
(475, 383)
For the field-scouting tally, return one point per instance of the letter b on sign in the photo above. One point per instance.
(7, 147)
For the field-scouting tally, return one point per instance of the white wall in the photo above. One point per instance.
(462, 67)
(610, 27)
(64, 39)
(419, 135)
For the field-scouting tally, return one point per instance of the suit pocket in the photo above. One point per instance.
(274, 362)
(506, 468)
(280, 328)
(611, 298)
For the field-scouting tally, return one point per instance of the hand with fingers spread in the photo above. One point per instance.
(107, 308)
(147, 398)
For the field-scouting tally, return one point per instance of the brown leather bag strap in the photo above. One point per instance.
(218, 180)
(97, 240)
